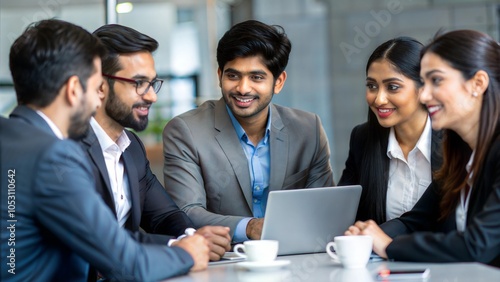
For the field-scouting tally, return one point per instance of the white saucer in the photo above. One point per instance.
(263, 266)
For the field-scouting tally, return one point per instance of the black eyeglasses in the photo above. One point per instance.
(141, 85)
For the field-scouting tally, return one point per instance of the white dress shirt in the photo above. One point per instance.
(117, 177)
(408, 179)
(463, 204)
(52, 125)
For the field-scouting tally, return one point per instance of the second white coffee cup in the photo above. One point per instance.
(351, 251)
(258, 250)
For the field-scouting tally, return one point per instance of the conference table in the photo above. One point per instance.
(320, 267)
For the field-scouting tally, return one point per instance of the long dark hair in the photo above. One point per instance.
(468, 51)
(404, 54)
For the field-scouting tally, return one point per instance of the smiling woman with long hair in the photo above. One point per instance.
(393, 154)
(458, 217)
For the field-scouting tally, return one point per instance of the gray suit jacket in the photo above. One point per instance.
(62, 224)
(206, 171)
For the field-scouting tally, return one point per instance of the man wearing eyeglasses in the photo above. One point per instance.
(120, 166)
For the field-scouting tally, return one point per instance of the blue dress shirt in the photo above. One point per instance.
(258, 158)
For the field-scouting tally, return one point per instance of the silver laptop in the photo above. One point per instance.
(305, 220)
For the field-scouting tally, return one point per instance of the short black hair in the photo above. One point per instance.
(119, 39)
(46, 55)
(253, 38)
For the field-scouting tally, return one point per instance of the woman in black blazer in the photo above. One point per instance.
(396, 117)
(458, 217)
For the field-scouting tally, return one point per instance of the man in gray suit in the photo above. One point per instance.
(223, 158)
(53, 222)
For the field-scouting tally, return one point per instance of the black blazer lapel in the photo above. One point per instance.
(92, 147)
(131, 171)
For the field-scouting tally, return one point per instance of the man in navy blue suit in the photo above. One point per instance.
(54, 224)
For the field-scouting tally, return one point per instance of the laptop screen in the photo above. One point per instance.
(305, 220)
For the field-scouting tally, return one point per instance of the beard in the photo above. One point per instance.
(80, 122)
(123, 114)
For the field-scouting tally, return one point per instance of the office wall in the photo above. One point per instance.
(14, 18)
(379, 22)
(308, 85)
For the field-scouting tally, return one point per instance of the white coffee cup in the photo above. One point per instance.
(258, 250)
(351, 251)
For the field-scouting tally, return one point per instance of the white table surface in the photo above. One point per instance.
(319, 267)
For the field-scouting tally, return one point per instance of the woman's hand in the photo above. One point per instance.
(369, 227)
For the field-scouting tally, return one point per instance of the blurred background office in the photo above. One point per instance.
(331, 39)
